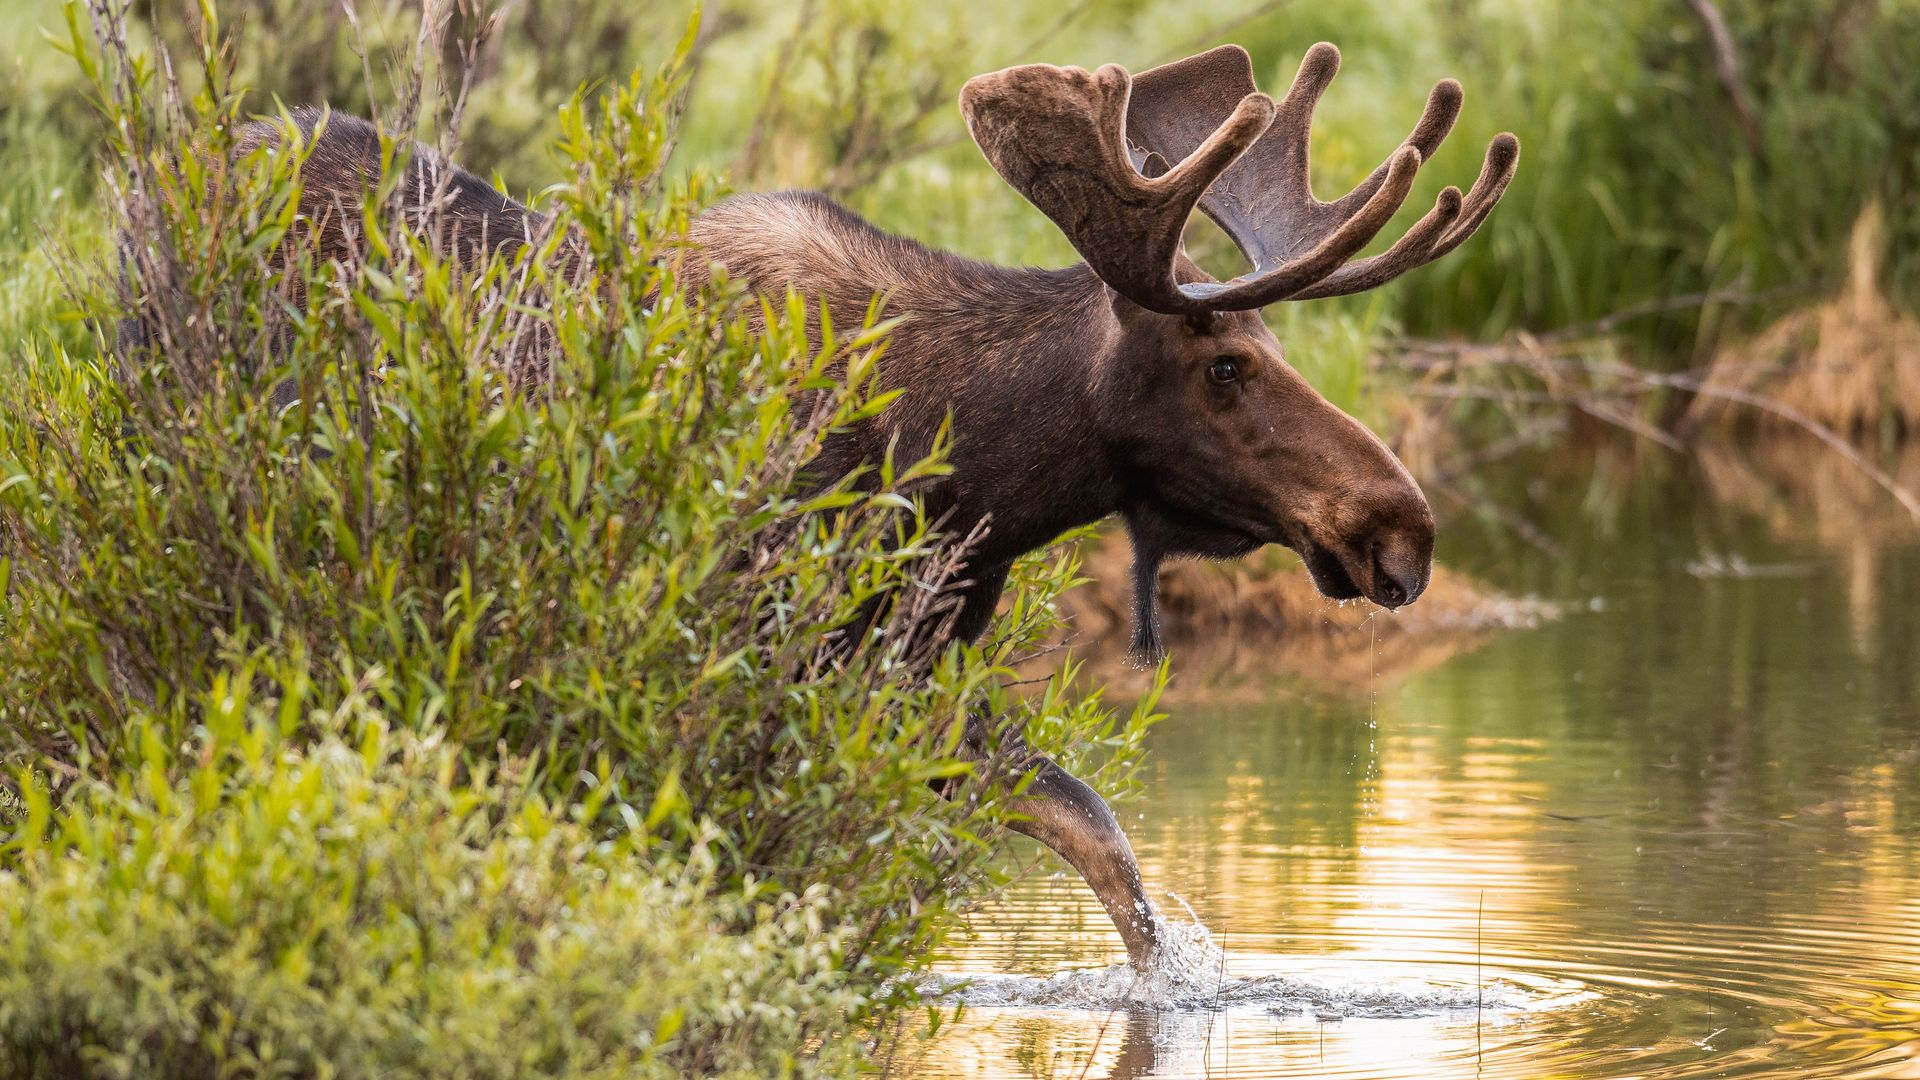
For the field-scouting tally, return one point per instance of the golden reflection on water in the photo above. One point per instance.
(1460, 869)
(1681, 833)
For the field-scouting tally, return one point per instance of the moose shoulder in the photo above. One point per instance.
(1130, 384)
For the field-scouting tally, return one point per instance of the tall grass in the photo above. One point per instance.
(1639, 183)
(46, 138)
(1638, 179)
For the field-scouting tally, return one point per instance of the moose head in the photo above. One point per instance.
(1231, 449)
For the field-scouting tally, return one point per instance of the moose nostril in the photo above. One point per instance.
(1392, 593)
(1396, 581)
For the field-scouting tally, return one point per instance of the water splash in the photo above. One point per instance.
(1189, 972)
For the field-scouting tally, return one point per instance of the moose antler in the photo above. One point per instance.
(1091, 151)
(1058, 135)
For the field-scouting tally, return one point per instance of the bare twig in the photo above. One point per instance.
(857, 171)
(1529, 435)
(1825, 434)
(1532, 356)
(1727, 63)
(748, 159)
(1607, 324)
(1214, 34)
(1524, 529)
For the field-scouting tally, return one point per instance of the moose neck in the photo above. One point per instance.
(1021, 357)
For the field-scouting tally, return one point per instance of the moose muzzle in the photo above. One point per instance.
(1384, 552)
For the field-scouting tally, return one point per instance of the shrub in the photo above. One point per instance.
(539, 509)
(354, 909)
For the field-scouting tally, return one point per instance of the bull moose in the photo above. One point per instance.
(1132, 383)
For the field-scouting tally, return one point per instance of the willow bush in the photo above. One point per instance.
(408, 667)
(361, 909)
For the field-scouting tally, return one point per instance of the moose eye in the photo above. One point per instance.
(1225, 371)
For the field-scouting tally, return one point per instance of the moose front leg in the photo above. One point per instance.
(1062, 812)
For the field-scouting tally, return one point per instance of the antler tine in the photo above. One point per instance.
(1435, 124)
(1298, 245)
(1431, 237)
(1058, 136)
(1293, 126)
(1265, 200)
(1271, 283)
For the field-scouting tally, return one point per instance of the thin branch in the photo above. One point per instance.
(1530, 356)
(1512, 519)
(1794, 416)
(1527, 437)
(1727, 63)
(748, 158)
(1212, 35)
(852, 176)
(1606, 324)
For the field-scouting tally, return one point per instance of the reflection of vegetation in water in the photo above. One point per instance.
(1281, 759)
(1803, 494)
(1786, 697)
(1729, 749)
(1784, 506)
(1247, 620)
(1288, 779)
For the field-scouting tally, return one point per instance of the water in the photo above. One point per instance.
(1675, 833)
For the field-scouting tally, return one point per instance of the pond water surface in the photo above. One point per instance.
(1673, 833)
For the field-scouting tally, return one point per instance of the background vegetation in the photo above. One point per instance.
(1705, 185)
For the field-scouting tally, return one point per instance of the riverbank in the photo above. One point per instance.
(1263, 613)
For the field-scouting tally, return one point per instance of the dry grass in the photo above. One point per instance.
(1851, 362)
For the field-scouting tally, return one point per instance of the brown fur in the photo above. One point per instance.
(1131, 384)
(462, 214)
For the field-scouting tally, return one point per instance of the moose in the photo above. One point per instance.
(1131, 384)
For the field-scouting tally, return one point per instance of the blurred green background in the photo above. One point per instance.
(1658, 162)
